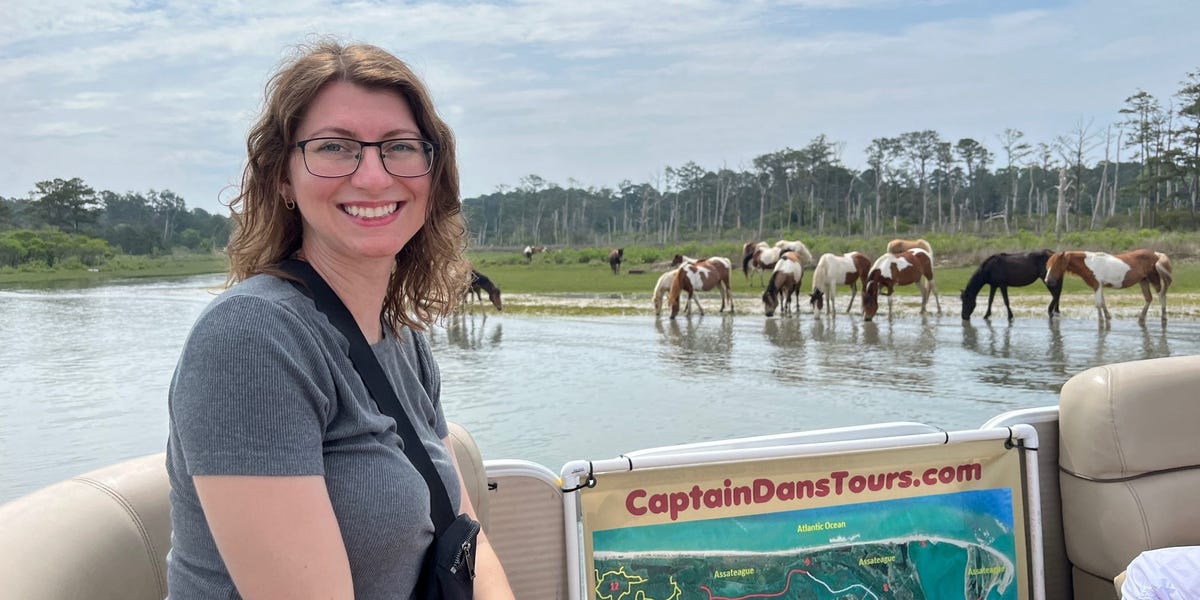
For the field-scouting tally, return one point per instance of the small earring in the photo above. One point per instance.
(289, 203)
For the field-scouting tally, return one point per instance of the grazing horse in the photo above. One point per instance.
(1100, 270)
(897, 246)
(785, 281)
(663, 287)
(890, 270)
(832, 271)
(795, 246)
(480, 282)
(701, 276)
(614, 260)
(1004, 270)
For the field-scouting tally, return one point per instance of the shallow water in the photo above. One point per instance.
(85, 371)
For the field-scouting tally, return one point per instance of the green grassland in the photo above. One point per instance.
(117, 267)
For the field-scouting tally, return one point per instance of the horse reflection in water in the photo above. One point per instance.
(700, 346)
(470, 332)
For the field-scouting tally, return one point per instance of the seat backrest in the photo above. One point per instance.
(104, 535)
(1129, 465)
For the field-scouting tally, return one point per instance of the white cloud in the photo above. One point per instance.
(598, 92)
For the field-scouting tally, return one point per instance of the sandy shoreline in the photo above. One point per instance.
(1124, 304)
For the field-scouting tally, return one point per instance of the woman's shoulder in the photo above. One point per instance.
(256, 301)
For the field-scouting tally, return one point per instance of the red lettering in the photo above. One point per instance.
(712, 498)
(838, 477)
(679, 503)
(822, 488)
(764, 490)
(634, 509)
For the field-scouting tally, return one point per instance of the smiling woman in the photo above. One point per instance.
(288, 480)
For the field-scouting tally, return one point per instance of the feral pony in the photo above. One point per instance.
(785, 281)
(849, 269)
(614, 260)
(1004, 270)
(891, 270)
(529, 251)
(760, 257)
(481, 282)
(701, 276)
(796, 246)
(897, 246)
(1100, 270)
(663, 287)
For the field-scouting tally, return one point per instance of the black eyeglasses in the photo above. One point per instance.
(338, 157)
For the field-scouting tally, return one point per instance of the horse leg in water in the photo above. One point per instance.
(1004, 293)
(991, 296)
(692, 298)
(1102, 313)
(1055, 292)
(1149, 300)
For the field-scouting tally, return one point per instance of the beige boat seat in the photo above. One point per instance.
(1129, 466)
(104, 535)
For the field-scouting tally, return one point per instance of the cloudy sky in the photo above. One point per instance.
(141, 94)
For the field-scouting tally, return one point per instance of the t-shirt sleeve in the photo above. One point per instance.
(431, 378)
(252, 393)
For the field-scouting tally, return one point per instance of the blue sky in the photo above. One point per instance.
(133, 95)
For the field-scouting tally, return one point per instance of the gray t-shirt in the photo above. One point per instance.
(265, 386)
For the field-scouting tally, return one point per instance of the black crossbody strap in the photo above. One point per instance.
(368, 367)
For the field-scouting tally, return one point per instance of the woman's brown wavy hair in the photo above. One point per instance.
(429, 279)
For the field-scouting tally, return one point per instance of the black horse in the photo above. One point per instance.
(480, 282)
(1002, 270)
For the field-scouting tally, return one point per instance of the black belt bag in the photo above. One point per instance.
(452, 561)
(449, 569)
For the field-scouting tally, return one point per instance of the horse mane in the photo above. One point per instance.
(979, 277)
(820, 274)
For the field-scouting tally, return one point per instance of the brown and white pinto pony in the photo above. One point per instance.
(663, 287)
(701, 276)
(891, 270)
(897, 246)
(529, 251)
(762, 258)
(785, 281)
(796, 246)
(849, 269)
(1100, 270)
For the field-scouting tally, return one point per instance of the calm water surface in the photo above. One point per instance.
(84, 374)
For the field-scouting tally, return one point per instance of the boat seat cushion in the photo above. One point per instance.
(1129, 461)
(104, 535)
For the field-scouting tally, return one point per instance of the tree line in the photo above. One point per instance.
(915, 182)
(67, 221)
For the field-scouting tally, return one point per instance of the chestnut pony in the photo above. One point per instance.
(890, 270)
(1100, 270)
(701, 276)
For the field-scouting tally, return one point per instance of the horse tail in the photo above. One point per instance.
(821, 273)
(921, 243)
(1163, 266)
(746, 258)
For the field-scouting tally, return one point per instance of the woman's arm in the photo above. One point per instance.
(278, 536)
(491, 583)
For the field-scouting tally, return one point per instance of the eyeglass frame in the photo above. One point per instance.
(429, 151)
